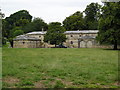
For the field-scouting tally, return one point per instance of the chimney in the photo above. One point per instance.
(42, 30)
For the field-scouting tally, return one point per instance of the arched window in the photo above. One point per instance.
(71, 35)
(71, 42)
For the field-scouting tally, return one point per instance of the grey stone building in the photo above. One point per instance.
(24, 41)
(75, 39)
(81, 39)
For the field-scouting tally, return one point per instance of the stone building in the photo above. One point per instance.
(24, 41)
(31, 40)
(75, 39)
(81, 39)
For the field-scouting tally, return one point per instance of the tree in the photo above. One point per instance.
(18, 32)
(13, 31)
(74, 22)
(55, 34)
(92, 13)
(109, 23)
(18, 19)
(22, 14)
(36, 25)
(22, 22)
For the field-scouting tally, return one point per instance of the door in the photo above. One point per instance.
(83, 44)
(89, 44)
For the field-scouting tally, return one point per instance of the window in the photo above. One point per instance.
(79, 35)
(23, 42)
(39, 36)
(71, 35)
(71, 42)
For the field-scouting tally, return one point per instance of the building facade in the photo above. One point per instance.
(81, 39)
(75, 39)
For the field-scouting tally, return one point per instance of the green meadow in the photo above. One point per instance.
(59, 68)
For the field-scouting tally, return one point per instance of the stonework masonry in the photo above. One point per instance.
(75, 39)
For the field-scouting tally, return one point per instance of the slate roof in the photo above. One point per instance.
(82, 31)
(67, 32)
(24, 37)
(35, 33)
(87, 37)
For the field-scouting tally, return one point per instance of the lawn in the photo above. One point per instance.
(59, 68)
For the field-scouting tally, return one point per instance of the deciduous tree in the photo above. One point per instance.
(109, 24)
(92, 13)
(18, 19)
(74, 22)
(36, 25)
(55, 34)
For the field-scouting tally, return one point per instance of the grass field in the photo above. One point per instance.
(59, 68)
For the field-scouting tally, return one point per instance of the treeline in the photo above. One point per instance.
(22, 22)
(105, 18)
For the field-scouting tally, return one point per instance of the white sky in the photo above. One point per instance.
(48, 10)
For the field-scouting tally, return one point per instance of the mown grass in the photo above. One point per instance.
(60, 68)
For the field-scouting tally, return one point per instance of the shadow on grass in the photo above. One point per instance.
(110, 49)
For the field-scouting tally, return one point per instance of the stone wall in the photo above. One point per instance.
(88, 43)
(73, 41)
(41, 37)
(27, 44)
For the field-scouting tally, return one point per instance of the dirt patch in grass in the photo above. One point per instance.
(39, 84)
(116, 83)
(66, 83)
(11, 80)
(52, 83)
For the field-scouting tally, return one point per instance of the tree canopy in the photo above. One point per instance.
(74, 22)
(55, 34)
(92, 13)
(109, 24)
(36, 25)
(18, 19)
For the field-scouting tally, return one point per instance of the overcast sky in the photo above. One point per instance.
(48, 10)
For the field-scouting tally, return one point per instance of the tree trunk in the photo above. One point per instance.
(115, 45)
(11, 43)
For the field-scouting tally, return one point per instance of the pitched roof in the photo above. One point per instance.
(37, 32)
(24, 37)
(67, 32)
(82, 31)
